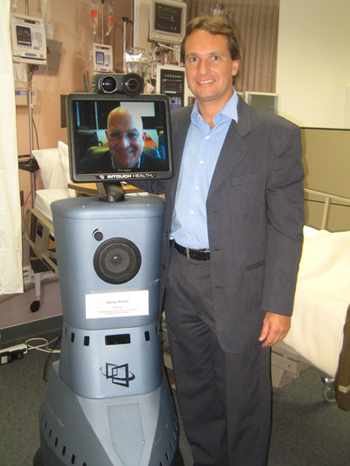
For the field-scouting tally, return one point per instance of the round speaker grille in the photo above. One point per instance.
(117, 260)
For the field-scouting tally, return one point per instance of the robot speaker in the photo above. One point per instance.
(117, 83)
(117, 260)
(107, 248)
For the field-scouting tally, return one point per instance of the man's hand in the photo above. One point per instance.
(275, 328)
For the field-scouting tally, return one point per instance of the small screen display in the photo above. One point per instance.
(265, 102)
(119, 137)
(167, 18)
(100, 58)
(24, 36)
(172, 83)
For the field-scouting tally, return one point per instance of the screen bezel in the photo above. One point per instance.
(127, 175)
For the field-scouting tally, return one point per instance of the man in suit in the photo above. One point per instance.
(233, 234)
(126, 147)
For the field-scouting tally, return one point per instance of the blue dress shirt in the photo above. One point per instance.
(201, 152)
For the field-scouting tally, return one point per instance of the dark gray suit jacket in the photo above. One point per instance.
(255, 210)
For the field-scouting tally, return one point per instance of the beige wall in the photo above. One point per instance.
(70, 19)
(313, 66)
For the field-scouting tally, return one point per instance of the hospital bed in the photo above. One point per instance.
(322, 296)
(38, 228)
(320, 332)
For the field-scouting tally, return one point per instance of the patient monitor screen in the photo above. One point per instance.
(118, 137)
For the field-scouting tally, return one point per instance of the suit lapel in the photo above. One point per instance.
(234, 148)
(179, 129)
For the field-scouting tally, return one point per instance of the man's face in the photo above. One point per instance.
(209, 67)
(125, 139)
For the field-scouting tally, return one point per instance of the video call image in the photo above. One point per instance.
(119, 137)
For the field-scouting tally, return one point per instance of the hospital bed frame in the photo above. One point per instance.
(38, 232)
(286, 364)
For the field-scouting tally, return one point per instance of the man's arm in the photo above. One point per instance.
(285, 200)
(285, 221)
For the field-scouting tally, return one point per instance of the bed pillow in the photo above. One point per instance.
(50, 165)
(64, 158)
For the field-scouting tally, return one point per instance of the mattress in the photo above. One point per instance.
(321, 300)
(44, 198)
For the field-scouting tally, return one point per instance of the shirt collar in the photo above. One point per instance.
(230, 110)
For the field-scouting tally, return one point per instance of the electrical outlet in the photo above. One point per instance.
(13, 352)
(27, 275)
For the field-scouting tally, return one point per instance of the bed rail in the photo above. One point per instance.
(38, 232)
(327, 199)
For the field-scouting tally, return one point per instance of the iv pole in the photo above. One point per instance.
(126, 22)
(30, 116)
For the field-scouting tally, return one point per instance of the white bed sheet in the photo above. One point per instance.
(322, 299)
(45, 197)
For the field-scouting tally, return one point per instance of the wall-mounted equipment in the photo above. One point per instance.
(167, 21)
(54, 50)
(171, 81)
(264, 100)
(28, 40)
(102, 58)
(21, 93)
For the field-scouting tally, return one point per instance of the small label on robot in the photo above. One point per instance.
(118, 304)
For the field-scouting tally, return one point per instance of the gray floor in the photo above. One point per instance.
(15, 309)
(306, 430)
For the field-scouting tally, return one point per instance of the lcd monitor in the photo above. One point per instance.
(263, 100)
(167, 21)
(107, 153)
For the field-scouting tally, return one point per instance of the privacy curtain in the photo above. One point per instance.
(10, 207)
(256, 23)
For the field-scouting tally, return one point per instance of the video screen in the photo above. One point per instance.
(167, 18)
(119, 137)
(24, 36)
(172, 83)
(100, 58)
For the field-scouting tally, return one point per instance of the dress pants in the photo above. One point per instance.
(224, 399)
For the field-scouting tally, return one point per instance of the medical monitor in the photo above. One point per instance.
(92, 151)
(167, 21)
(171, 81)
(28, 40)
(102, 58)
(263, 100)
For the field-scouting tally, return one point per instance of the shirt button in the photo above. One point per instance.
(196, 188)
(207, 137)
(201, 162)
(192, 212)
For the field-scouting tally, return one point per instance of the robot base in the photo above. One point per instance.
(140, 430)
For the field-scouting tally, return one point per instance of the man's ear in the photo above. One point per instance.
(144, 136)
(106, 131)
(235, 67)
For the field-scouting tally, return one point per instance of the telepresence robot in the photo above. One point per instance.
(108, 400)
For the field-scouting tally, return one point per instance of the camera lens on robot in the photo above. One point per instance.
(132, 84)
(109, 84)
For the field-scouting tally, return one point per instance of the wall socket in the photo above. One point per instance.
(27, 275)
(13, 352)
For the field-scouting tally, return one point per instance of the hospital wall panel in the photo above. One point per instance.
(326, 159)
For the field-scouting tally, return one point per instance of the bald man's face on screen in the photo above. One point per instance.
(126, 138)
